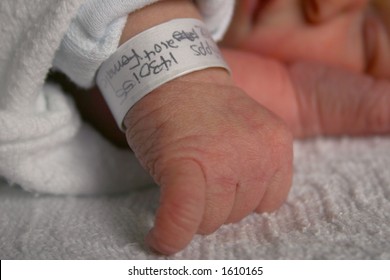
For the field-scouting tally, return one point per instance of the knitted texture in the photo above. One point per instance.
(339, 208)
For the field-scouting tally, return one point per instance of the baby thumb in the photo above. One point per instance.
(181, 206)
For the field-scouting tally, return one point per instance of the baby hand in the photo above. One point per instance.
(216, 154)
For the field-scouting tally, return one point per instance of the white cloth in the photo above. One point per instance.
(44, 146)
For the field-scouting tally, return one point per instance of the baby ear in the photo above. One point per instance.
(317, 11)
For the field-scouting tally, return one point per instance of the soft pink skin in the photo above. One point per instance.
(352, 34)
(315, 98)
(312, 98)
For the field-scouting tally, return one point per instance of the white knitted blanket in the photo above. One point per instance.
(339, 208)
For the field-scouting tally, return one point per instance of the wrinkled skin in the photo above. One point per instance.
(217, 155)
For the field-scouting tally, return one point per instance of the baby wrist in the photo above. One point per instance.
(169, 50)
(163, 11)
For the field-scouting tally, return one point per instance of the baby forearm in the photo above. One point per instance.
(157, 13)
(153, 15)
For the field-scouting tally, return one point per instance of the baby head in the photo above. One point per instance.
(353, 34)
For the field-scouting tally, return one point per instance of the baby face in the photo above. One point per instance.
(354, 34)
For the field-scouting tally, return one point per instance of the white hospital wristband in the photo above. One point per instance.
(154, 57)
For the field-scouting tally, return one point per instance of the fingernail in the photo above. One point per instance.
(150, 242)
(149, 239)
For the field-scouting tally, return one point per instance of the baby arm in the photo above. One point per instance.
(216, 153)
(312, 98)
